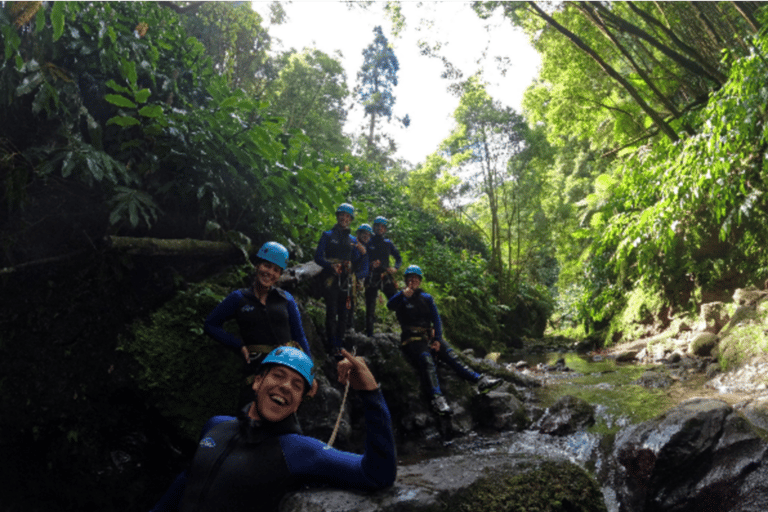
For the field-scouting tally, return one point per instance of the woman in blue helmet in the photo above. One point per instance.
(251, 462)
(266, 316)
(422, 339)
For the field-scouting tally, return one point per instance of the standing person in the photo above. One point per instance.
(339, 253)
(251, 462)
(266, 316)
(361, 270)
(381, 276)
(422, 339)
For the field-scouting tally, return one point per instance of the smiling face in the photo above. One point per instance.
(343, 219)
(267, 274)
(379, 229)
(279, 392)
(363, 236)
(412, 281)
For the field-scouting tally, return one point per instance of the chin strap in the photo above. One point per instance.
(341, 409)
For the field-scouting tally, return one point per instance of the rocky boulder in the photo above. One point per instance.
(700, 455)
(566, 416)
(487, 483)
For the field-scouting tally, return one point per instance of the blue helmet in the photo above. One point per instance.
(346, 208)
(380, 220)
(413, 270)
(274, 253)
(294, 359)
(365, 227)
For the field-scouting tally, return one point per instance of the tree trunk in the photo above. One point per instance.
(170, 247)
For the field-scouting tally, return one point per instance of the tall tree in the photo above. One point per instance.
(486, 137)
(309, 94)
(377, 79)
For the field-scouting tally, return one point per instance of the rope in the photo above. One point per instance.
(341, 409)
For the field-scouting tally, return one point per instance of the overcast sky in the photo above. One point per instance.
(421, 93)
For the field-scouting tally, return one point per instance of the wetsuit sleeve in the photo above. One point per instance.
(361, 264)
(297, 330)
(320, 253)
(395, 301)
(315, 462)
(437, 324)
(394, 252)
(172, 497)
(221, 313)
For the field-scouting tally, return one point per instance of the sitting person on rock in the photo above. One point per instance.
(422, 339)
(257, 458)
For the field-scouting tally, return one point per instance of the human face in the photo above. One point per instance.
(279, 392)
(363, 236)
(267, 274)
(379, 229)
(412, 281)
(344, 219)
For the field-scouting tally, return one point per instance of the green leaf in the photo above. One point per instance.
(120, 101)
(123, 121)
(117, 87)
(40, 21)
(142, 95)
(151, 111)
(57, 20)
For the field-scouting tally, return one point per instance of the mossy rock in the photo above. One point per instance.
(542, 486)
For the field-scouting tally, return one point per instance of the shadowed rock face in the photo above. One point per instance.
(566, 416)
(700, 455)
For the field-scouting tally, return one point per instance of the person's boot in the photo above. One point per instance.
(440, 405)
(486, 384)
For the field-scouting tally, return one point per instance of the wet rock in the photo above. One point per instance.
(703, 343)
(654, 380)
(466, 482)
(501, 411)
(627, 355)
(697, 456)
(568, 415)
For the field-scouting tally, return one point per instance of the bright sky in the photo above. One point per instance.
(420, 93)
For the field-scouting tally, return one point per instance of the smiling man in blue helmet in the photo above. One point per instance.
(266, 316)
(340, 254)
(250, 462)
(422, 339)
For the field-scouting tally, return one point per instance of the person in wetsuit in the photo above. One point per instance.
(266, 316)
(422, 339)
(381, 274)
(340, 255)
(250, 462)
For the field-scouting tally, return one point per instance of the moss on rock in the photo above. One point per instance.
(547, 486)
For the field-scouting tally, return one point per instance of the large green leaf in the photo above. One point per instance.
(120, 101)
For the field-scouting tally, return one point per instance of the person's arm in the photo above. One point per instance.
(376, 468)
(320, 253)
(395, 301)
(297, 329)
(437, 325)
(394, 252)
(221, 313)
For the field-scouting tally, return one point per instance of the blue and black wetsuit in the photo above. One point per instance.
(262, 327)
(278, 322)
(379, 248)
(338, 246)
(242, 464)
(418, 317)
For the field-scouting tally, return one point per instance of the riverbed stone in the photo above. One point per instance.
(703, 343)
(501, 411)
(566, 416)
